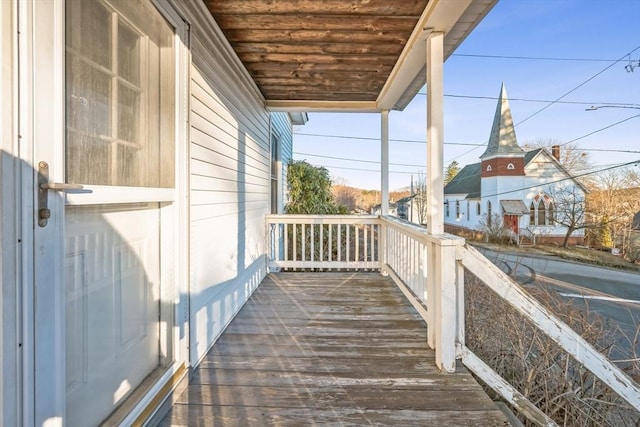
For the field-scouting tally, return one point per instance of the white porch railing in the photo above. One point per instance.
(323, 241)
(429, 269)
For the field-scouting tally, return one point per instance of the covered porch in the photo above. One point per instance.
(361, 320)
(336, 348)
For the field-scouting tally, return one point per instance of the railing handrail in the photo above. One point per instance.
(420, 232)
(321, 219)
(570, 341)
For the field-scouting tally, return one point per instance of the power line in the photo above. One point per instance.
(577, 87)
(368, 138)
(570, 141)
(600, 130)
(365, 170)
(533, 58)
(377, 162)
(475, 145)
(540, 101)
(355, 160)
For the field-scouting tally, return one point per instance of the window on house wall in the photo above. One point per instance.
(489, 168)
(457, 208)
(478, 209)
(550, 214)
(532, 214)
(489, 213)
(468, 210)
(510, 166)
(119, 71)
(275, 169)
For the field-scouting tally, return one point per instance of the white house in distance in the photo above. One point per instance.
(523, 187)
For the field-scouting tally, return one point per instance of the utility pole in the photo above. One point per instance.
(410, 204)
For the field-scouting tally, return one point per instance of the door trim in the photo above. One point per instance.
(41, 110)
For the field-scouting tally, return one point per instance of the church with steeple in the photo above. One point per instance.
(519, 189)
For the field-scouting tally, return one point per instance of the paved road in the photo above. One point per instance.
(615, 294)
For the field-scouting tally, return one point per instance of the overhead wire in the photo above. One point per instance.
(578, 87)
(533, 58)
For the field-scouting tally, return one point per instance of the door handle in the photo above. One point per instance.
(44, 213)
(60, 186)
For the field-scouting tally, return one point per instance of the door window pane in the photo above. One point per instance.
(120, 95)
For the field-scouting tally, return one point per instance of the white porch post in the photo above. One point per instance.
(442, 280)
(384, 162)
(435, 133)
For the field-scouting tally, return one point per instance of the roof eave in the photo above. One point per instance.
(457, 20)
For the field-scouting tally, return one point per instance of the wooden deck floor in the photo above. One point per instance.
(341, 349)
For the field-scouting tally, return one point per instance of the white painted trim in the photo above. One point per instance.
(44, 101)
(413, 299)
(102, 194)
(554, 328)
(217, 37)
(384, 161)
(439, 15)
(504, 389)
(151, 394)
(322, 219)
(435, 132)
(446, 298)
(322, 106)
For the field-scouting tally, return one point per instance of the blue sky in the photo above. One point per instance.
(566, 29)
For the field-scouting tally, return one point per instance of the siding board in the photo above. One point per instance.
(229, 180)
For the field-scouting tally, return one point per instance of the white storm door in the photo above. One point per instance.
(101, 260)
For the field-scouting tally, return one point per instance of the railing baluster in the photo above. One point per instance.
(303, 242)
(321, 241)
(286, 242)
(295, 241)
(347, 249)
(312, 245)
(357, 254)
(366, 242)
(330, 245)
(339, 243)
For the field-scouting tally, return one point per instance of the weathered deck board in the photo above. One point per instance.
(328, 349)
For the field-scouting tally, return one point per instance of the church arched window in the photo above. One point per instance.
(532, 214)
(550, 214)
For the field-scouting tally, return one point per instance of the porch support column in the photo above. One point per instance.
(435, 133)
(441, 260)
(384, 162)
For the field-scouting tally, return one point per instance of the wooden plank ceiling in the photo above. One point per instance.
(318, 50)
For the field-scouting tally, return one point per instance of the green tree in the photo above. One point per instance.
(451, 172)
(309, 189)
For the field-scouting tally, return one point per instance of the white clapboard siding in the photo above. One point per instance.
(229, 181)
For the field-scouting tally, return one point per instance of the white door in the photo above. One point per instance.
(103, 268)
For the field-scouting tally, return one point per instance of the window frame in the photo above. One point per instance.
(275, 174)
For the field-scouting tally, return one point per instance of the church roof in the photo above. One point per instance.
(466, 181)
(502, 140)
